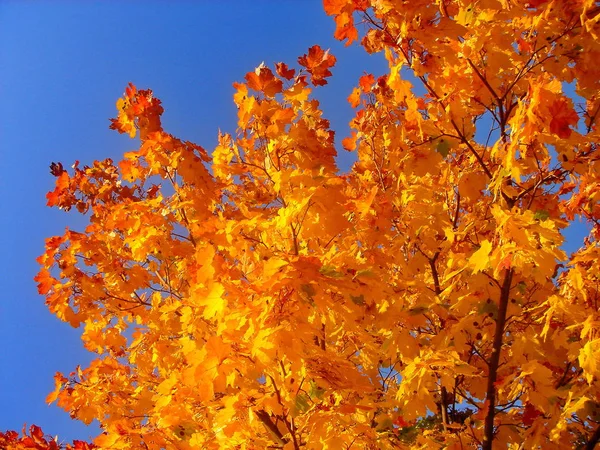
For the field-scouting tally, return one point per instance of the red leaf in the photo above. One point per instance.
(334, 6)
(56, 169)
(317, 63)
(530, 413)
(401, 422)
(563, 115)
(37, 435)
(283, 71)
(130, 90)
(365, 82)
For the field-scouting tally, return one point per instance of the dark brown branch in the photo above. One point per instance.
(592, 119)
(182, 209)
(265, 418)
(444, 407)
(292, 429)
(494, 362)
(502, 115)
(465, 141)
(295, 239)
(594, 439)
(443, 392)
(455, 221)
(436, 278)
(289, 425)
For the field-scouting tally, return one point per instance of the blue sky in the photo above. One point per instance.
(62, 66)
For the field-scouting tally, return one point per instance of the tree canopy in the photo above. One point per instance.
(253, 296)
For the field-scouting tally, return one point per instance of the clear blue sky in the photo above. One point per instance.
(62, 67)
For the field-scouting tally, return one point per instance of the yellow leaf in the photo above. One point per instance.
(272, 266)
(106, 440)
(166, 386)
(588, 327)
(572, 407)
(481, 258)
(589, 359)
(213, 301)
(364, 206)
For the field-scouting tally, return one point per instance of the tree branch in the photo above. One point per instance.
(594, 439)
(434, 273)
(444, 408)
(265, 418)
(488, 434)
(455, 221)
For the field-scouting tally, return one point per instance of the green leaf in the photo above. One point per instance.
(443, 147)
(301, 403)
(309, 290)
(364, 273)
(541, 215)
(329, 271)
(315, 391)
(358, 299)
(185, 430)
(489, 307)
(417, 310)
(384, 423)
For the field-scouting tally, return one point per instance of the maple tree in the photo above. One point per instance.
(255, 297)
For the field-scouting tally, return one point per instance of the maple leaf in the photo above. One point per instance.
(349, 143)
(56, 169)
(345, 29)
(335, 6)
(284, 71)
(563, 116)
(480, 259)
(317, 63)
(354, 98)
(366, 82)
(263, 80)
(45, 281)
(530, 413)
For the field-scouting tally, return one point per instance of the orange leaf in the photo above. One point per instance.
(349, 143)
(365, 82)
(354, 98)
(334, 6)
(45, 281)
(345, 29)
(317, 63)
(263, 80)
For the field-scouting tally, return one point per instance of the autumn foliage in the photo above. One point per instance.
(35, 439)
(254, 297)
